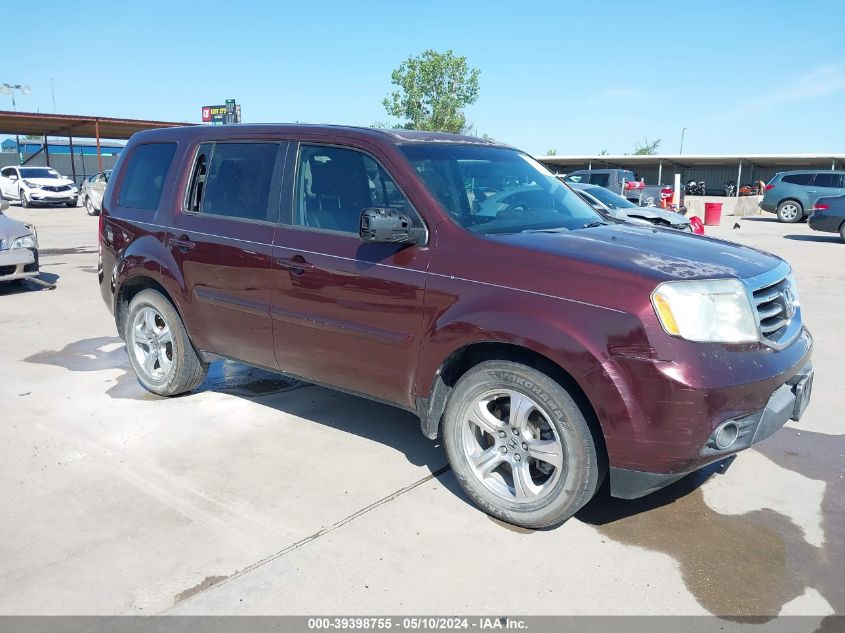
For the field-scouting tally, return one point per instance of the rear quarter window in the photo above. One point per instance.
(828, 180)
(797, 179)
(145, 174)
(600, 179)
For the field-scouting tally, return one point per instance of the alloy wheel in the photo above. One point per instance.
(151, 342)
(789, 211)
(512, 447)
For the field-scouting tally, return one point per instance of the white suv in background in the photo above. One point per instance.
(37, 185)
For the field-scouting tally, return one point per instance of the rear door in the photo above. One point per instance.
(825, 183)
(346, 313)
(221, 243)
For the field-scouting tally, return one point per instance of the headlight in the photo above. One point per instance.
(28, 241)
(31, 185)
(712, 310)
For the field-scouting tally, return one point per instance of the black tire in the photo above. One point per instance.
(790, 211)
(187, 371)
(24, 201)
(70, 205)
(89, 206)
(582, 470)
(842, 232)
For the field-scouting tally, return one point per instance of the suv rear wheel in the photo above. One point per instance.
(790, 211)
(159, 348)
(519, 445)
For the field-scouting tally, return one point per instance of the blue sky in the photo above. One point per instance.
(579, 77)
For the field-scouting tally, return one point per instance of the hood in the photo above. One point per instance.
(53, 182)
(11, 230)
(637, 250)
(656, 213)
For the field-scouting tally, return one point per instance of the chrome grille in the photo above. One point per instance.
(776, 305)
(56, 188)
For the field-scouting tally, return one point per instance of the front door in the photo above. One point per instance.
(8, 186)
(221, 241)
(346, 313)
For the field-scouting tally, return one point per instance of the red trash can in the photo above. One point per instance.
(712, 213)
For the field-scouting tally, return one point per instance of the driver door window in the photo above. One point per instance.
(335, 184)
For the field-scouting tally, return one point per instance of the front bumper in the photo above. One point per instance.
(788, 402)
(47, 197)
(18, 263)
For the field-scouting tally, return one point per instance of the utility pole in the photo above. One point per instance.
(9, 89)
(684, 131)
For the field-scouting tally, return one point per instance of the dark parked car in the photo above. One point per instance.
(549, 348)
(791, 193)
(828, 215)
(608, 203)
(623, 182)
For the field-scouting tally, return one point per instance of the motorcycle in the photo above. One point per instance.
(730, 188)
(694, 188)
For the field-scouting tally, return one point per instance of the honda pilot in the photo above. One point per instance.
(456, 278)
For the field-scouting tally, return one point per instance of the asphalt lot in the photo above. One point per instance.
(258, 495)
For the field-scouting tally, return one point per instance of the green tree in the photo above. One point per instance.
(604, 152)
(646, 148)
(551, 152)
(434, 89)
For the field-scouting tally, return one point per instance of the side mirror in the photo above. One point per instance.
(13, 177)
(386, 225)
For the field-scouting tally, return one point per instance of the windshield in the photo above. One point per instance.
(610, 199)
(495, 190)
(38, 172)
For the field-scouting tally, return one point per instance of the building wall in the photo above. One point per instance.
(714, 176)
(30, 147)
(85, 165)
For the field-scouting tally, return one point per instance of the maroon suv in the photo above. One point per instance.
(456, 278)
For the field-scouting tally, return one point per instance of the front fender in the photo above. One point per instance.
(576, 336)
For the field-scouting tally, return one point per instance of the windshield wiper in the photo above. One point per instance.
(591, 225)
(560, 229)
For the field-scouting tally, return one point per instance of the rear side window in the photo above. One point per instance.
(798, 179)
(599, 179)
(145, 174)
(234, 180)
(629, 176)
(828, 180)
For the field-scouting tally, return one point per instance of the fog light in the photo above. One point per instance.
(726, 435)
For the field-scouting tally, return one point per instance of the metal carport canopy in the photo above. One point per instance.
(74, 125)
(653, 160)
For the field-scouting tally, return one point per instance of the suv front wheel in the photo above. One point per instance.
(159, 348)
(790, 211)
(519, 445)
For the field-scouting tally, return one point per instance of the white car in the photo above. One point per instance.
(37, 185)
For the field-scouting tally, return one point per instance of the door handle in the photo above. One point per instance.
(296, 265)
(184, 244)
